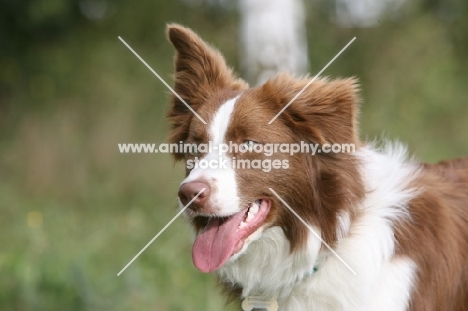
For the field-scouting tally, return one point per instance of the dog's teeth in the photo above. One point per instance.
(250, 216)
(254, 208)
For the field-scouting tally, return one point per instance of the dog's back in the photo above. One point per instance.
(454, 170)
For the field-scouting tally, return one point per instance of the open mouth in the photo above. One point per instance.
(223, 237)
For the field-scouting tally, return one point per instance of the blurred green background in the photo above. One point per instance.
(74, 211)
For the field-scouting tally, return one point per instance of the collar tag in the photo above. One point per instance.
(259, 302)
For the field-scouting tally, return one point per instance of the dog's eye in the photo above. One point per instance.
(248, 146)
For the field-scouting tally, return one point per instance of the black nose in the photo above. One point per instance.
(190, 190)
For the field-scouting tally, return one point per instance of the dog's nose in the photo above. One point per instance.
(189, 190)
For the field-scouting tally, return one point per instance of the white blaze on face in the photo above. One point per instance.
(222, 180)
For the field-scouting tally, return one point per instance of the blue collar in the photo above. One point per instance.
(310, 273)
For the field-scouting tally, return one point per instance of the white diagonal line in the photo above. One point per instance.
(313, 231)
(159, 233)
(310, 82)
(162, 80)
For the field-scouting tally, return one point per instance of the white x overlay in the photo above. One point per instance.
(159, 233)
(271, 121)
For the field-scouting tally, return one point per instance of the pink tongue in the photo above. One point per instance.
(215, 244)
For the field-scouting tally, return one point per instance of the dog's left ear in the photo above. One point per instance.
(200, 72)
(324, 112)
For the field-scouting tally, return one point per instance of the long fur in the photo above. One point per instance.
(401, 226)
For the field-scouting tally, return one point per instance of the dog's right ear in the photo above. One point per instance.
(200, 72)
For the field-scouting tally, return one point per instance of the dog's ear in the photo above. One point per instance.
(324, 112)
(200, 72)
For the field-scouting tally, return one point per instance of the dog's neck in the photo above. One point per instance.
(276, 271)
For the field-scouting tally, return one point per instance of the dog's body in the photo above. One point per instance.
(398, 229)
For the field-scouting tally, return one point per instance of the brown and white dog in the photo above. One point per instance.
(398, 229)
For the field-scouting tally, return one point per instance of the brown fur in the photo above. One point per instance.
(333, 178)
(436, 237)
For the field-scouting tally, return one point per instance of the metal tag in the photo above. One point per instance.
(259, 302)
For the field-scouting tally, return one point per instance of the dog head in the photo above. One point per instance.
(231, 207)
